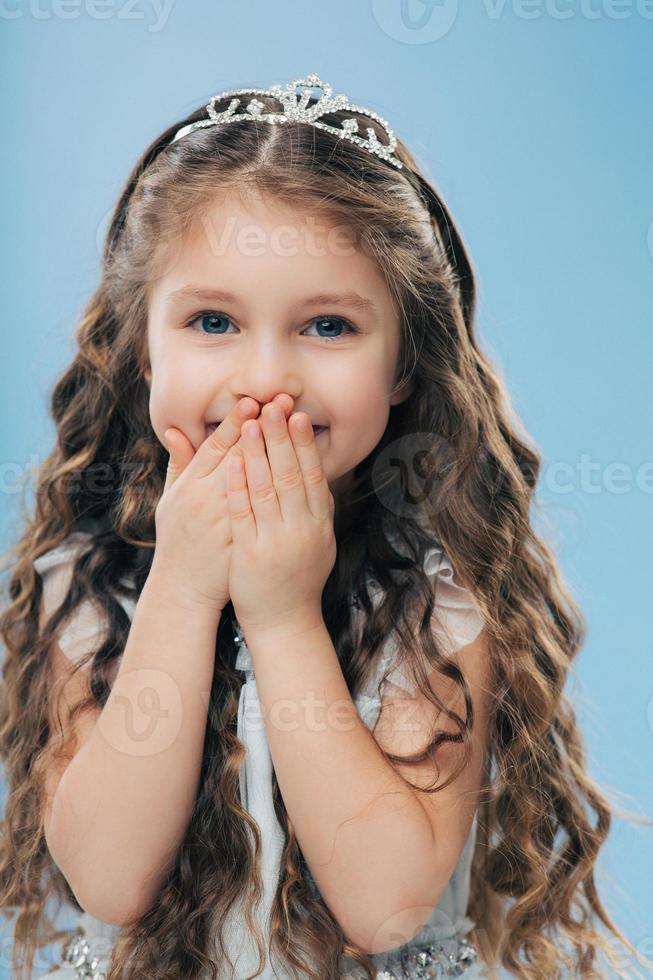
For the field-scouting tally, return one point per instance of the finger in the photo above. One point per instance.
(220, 473)
(284, 465)
(316, 487)
(180, 454)
(285, 402)
(262, 493)
(217, 444)
(243, 523)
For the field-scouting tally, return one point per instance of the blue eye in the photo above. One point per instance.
(335, 319)
(211, 321)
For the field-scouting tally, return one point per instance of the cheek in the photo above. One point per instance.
(361, 417)
(176, 376)
(364, 401)
(175, 394)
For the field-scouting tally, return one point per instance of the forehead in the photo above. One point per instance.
(236, 242)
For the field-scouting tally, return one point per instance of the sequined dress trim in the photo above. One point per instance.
(452, 957)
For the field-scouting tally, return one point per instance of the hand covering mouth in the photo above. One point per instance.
(211, 426)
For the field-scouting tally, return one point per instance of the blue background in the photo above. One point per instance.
(534, 121)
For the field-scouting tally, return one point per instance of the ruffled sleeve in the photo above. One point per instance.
(456, 621)
(87, 627)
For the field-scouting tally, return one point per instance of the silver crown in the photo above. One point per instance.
(295, 110)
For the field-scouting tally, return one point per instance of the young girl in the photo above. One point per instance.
(283, 701)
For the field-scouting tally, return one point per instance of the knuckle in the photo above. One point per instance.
(314, 474)
(264, 494)
(217, 445)
(290, 480)
(275, 438)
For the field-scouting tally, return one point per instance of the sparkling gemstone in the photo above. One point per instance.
(255, 107)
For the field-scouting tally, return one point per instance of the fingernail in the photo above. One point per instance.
(275, 413)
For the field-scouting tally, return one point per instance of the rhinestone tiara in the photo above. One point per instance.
(295, 109)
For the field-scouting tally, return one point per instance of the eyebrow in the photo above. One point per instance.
(350, 298)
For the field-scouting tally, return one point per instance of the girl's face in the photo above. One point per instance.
(258, 300)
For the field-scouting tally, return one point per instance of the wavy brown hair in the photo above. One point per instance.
(533, 892)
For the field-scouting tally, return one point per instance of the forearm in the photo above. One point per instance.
(364, 833)
(123, 804)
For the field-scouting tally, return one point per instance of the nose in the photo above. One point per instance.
(263, 371)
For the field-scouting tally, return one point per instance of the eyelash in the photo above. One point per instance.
(329, 340)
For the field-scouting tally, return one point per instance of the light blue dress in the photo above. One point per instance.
(440, 948)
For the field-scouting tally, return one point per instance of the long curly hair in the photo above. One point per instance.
(533, 892)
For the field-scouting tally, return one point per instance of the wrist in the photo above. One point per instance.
(164, 581)
(299, 622)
